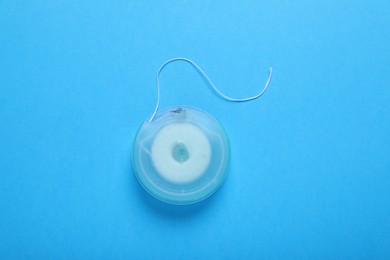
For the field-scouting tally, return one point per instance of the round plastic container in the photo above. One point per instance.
(182, 156)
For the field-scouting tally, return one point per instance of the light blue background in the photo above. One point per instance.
(310, 170)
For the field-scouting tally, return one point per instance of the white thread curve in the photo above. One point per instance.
(208, 80)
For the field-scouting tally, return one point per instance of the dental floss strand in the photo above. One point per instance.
(208, 80)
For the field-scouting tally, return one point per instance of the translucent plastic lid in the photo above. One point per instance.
(182, 156)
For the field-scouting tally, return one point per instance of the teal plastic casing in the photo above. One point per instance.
(182, 156)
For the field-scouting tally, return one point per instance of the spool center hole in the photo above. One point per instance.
(180, 152)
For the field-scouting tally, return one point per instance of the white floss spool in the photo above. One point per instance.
(181, 154)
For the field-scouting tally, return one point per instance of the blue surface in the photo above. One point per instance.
(310, 172)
